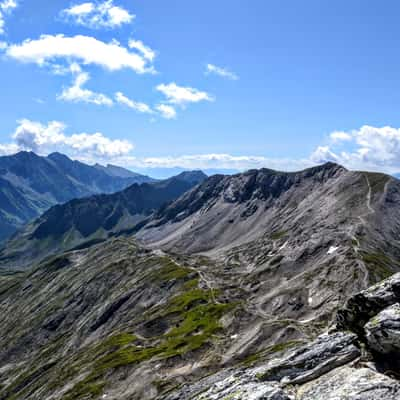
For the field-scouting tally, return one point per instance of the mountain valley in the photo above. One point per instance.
(228, 287)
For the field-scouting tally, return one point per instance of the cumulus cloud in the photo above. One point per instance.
(369, 147)
(323, 154)
(214, 161)
(6, 7)
(83, 49)
(7, 149)
(137, 106)
(222, 72)
(338, 136)
(166, 111)
(98, 15)
(147, 53)
(47, 138)
(181, 95)
(78, 94)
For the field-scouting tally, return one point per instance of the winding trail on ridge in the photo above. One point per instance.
(353, 229)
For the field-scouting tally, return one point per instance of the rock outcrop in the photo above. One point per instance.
(349, 383)
(382, 332)
(341, 365)
(313, 360)
(359, 309)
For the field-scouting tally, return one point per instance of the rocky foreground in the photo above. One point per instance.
(358, 359)
(118, 321)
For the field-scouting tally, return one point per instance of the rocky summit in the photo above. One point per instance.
(258, 286)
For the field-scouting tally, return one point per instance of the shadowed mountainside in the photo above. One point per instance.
(30, 184)
(82, 222)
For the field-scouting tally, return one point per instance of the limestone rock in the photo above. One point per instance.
(315, 359)
(233, 385)
(360, 308)
(348, 383)
(383, 331)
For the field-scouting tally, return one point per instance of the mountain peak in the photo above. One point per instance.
(56, 155)
(191, 176)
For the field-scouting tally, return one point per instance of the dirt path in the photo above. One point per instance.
(353, 229)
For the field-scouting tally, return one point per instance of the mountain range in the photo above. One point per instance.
(92, 219)
(30, 184)
(255, 286)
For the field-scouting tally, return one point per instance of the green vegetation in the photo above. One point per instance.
(192, 284)
(170, 271)
(278, 235)
(254, 358)
(377, 181)
(85, 389)
(379, 265)
(195, 318)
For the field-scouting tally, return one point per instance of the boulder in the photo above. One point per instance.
(382, 332)
(314, 359)
(360, 308)
(347, 383)
(234, 385)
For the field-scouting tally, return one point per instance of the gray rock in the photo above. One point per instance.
(238, 385)
(383, 331)
(348, 383)
(360, 308)
(314, 359)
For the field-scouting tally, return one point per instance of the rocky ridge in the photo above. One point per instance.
(271, 315)
(82, 222)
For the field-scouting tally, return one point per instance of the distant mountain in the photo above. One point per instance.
(241, 213)
(30, 184)
(85, 221)
(165, 173)
(115, 171)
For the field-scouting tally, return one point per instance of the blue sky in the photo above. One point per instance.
(288, 84)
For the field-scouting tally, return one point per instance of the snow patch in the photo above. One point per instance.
(283, 246)
(332, 250)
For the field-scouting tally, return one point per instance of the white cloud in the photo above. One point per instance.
(84, 49)
(147, 52)
(214, 161)
(369, 148)
(323, 154)
(182, 95)
(7, 149)
(223, 72)
(140, 107)
(166, 111)
(338, 136)
(77, 93)
(98, 15)
(6, 7)
(44, 139)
